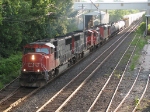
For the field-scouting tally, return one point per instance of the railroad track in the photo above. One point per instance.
(17, 96)
(135, 98)
(9, 88)
(61, 99)
(135, 95)
(7, 92)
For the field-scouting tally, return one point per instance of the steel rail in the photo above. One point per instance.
(9, 83)
(142, 94)
(6, 98)
(16, 103)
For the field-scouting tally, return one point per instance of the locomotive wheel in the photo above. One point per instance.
(47, 76)
(91, 49)
(82, 54)
(74, 60)
(71, 62)
(51, 75)
(97, 46)
(56, 72)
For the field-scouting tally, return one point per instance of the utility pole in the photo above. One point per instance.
(82, 7)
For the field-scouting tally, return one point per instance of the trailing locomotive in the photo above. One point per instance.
(45, 59)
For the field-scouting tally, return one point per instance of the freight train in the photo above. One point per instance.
(45, 59)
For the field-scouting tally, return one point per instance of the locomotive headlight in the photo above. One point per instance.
(38, 70)
(24, 70)
(33, 57)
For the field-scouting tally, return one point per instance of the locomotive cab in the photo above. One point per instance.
(38, 62)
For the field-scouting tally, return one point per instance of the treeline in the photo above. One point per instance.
(24, 21)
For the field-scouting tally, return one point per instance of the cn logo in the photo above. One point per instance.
(33, 64)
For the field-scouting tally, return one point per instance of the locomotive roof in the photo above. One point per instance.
(50, 45)
(44, 43)
(74, 33)
(59, 37)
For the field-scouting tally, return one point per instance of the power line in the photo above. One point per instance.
(94, 4)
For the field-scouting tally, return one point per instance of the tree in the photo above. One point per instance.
(10, 29)
(24, 21)
(0, 11)
(142, 28)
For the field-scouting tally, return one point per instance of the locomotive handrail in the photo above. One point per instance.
(44, 68)
(23, 64)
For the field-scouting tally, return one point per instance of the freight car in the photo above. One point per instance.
(45, 59)
(129, 19)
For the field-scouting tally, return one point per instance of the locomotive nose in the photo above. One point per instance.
(33, 63)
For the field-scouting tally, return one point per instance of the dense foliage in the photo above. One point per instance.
(23, 21)
(141, 28)
(9, 69)
(116, 15)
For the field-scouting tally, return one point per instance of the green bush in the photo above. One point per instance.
(148, 27)
(141, 28)
(9, 69)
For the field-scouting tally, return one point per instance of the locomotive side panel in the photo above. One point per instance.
(68, 48)
(106, 29)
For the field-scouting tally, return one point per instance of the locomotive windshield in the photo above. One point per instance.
(32, 50)
(42, 50)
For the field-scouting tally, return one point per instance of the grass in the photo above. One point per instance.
(144, 105)
(107, 75)
(117, 74)
(125, 58)
(141, 43)
(134, 61)
(136, 100)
